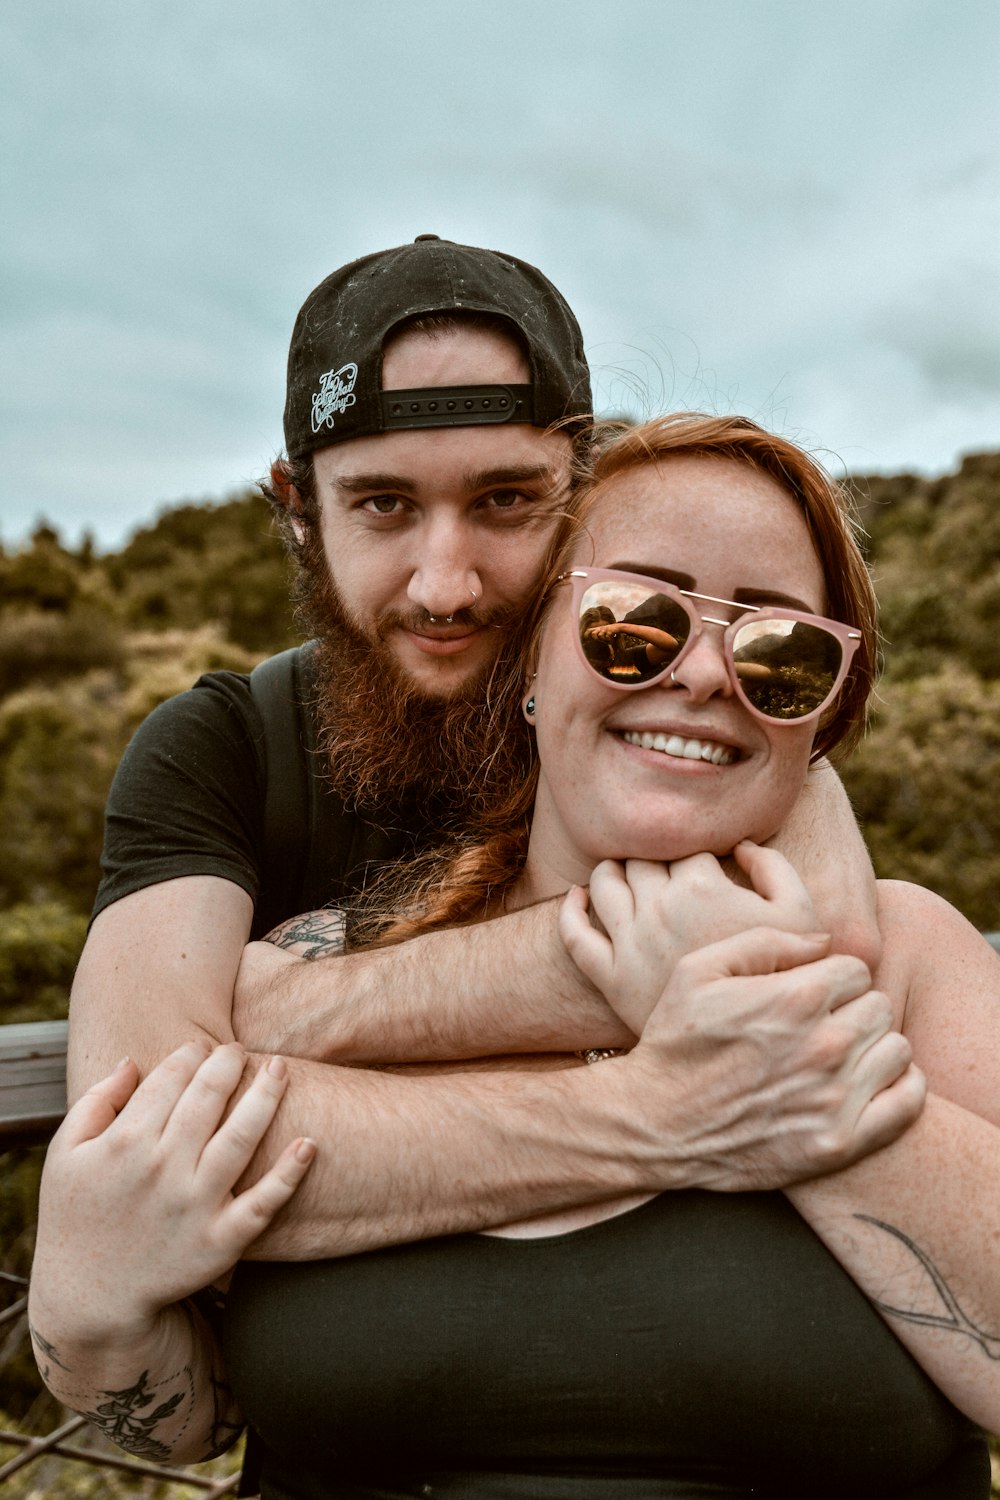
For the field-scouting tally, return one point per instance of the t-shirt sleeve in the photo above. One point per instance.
(187, 798)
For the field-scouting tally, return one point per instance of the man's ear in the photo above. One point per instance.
(289, 498)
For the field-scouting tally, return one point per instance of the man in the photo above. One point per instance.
(423, 485)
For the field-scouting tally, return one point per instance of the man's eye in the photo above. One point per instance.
(504, 499)
(381, 505)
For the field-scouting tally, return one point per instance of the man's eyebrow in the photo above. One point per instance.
(374, 479)
(506, 474)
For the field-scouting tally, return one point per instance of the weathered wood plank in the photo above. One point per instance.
(32, 1078)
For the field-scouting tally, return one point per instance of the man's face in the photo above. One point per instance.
(451, 521)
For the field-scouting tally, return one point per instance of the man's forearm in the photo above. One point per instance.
(821, 839)
(403, 1158)
(496, 987)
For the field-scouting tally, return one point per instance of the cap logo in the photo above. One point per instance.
(335, 394)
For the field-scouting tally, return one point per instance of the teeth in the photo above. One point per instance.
(673, 744)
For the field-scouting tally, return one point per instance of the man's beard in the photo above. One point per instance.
(388, 745)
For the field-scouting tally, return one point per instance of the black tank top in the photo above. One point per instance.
(702, 1345)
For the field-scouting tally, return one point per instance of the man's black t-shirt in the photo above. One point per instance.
(189, 799)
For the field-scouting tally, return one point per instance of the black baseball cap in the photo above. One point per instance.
(334, 387)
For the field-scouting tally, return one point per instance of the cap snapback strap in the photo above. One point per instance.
(458, 406)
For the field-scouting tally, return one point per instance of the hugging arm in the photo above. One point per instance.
(821, 839)
(402, 1158)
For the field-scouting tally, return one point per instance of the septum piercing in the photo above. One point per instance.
(449, 619)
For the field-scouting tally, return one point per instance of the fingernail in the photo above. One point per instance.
(305, 1149)
(123, 1064)
(816, 937)
(277, 1067)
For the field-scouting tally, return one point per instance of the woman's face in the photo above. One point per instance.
(721, 528)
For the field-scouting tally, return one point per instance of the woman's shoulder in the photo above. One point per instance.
(943, 978)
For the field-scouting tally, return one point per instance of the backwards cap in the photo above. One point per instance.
(335, 359)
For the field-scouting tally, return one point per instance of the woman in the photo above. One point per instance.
(697, 1343)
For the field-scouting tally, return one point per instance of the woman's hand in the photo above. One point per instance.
(138, 1205)
(651, 915)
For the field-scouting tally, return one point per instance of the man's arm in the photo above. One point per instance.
(822, 841)
(507, 986)
(161, 966)
(402, 1158)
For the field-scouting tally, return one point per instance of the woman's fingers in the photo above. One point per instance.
(202, 1104)
(157, 1095)
(250, 1213)
(611, 899)
(773, 877)
(228, 1153)
(589, 949)
(95, 1110)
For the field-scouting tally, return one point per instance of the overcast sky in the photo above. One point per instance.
(766, 206)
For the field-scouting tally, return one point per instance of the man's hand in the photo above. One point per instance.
(651, 915)
(781, 1063)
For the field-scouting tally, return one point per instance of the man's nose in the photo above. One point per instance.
(446, 576)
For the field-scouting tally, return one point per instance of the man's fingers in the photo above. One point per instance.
(888, 1114)
(250, 1213)
(229, 1151)
(765, 950)
(95, 1110)
(885, 1056)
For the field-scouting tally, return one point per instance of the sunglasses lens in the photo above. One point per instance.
(632, 656)
(786, 668)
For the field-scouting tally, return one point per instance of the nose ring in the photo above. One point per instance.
(673, 678)
(449, 619)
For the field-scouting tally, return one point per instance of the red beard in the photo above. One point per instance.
(386, 743)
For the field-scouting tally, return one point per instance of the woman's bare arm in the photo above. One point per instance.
(918, 1224)
(137, 1212)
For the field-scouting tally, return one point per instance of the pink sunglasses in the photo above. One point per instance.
(785, 666)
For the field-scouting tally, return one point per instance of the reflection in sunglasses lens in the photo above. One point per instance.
(660, 627)
(786, 668)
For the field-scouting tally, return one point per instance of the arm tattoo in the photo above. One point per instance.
(119, 1419)
(953, 1319)
(313, 935)
(125, 1418)
(44, 1347)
